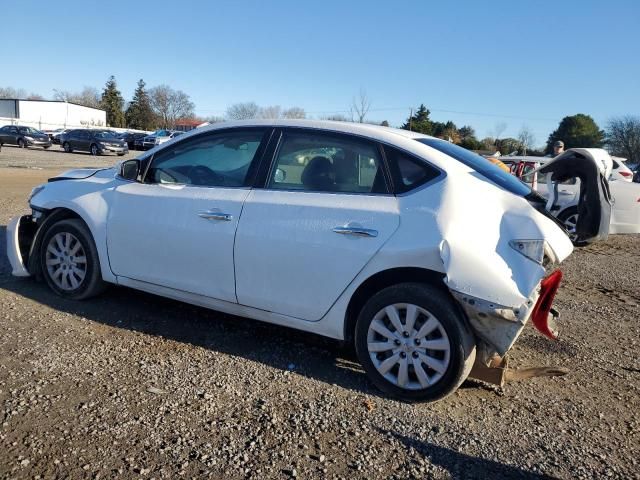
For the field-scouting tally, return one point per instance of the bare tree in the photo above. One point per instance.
(89, 97)
(499, 129)
(337, 117)
(170, 105)
(242, 111)
(526, 138)
(360, 106)
(274, 111)
(623, 137)
(10, 92)
(294, 112)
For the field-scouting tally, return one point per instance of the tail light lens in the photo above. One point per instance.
(540, 314)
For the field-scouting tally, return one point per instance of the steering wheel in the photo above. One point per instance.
(201, 175)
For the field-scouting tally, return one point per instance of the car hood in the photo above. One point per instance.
(77, 174)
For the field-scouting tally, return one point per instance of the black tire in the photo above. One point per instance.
(21, 143)
(47, 147)
(462, 350)
(94, 150)
(120, 154)
(67, 147)
(92, 284)
(563, 217)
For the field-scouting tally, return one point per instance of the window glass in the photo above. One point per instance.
(319, 162)
(480, 165)
(408, 171)
(220, 159)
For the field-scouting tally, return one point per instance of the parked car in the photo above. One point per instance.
(138, 143)
(23, 137)
(159, 137)
(131, 137)
(96, 142)
(56, 136)
(423, 254)
(625, 212)
(620, 170)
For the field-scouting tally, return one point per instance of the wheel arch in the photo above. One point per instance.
(382, 280)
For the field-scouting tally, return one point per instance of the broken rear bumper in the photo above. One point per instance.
(18, 229)
(498, 326)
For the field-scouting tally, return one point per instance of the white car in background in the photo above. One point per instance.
(625, 211)
(620, 170)
(420, 252)
(159, 137)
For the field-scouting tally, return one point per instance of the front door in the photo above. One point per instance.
(177, 227)
(323, 215)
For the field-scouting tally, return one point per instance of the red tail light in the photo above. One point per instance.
(540, 314)
(626, 174)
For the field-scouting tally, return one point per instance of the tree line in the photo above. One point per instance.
(162, 106)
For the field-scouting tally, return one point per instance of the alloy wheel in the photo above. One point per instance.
(94, 150)
(66, 261)
(408, 346)
(570, 224)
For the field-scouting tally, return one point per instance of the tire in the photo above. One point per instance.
(120, 154)
(47, 148)
(569, 218)
(94, 150)
(21, 143)
(445, 329)
(60, 244)
(67, 147)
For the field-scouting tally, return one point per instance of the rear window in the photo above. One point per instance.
(480, 165)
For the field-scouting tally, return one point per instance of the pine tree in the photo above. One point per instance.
(112, 102)
(419, 122)
(139, 115)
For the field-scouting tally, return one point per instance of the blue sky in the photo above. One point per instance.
(520, 63)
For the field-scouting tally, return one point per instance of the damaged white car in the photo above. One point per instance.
(423, 254)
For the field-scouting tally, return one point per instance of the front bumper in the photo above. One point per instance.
(110, 149)
(17, 229)
(38, 143)
(498, 326)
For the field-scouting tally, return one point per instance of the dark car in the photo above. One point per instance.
(96, 142)
(131, 138)
(23, 137)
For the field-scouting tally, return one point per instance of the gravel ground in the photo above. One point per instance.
(133, 385)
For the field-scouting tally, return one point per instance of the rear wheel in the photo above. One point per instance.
(47, 147)
(413, 343)
(69, 260)
(67, 147)
(21, 143)
(94, 150)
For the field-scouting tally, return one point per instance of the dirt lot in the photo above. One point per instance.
(132, 385)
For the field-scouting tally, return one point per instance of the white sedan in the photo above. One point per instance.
(420, 252)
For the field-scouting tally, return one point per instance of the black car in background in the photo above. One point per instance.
(131, 138)
(23, 137)
(96, 142)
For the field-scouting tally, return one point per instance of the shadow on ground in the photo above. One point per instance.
(463, 466)
(310, 355)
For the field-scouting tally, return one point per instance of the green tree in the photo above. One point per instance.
(577, 131)
(139, 114)
(112, 102)
(419, 122)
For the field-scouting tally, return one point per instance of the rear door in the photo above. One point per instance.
(324, 213)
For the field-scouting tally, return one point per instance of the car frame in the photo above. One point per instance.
(423, 255)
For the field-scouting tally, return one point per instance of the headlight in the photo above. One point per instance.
(538, 251)
(35, 191)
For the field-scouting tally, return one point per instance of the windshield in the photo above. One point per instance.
(480, 165)
(28, 130)
(105, 134)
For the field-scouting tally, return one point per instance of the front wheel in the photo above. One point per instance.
(413, 343)
(569, 219)
(21, 143)
(69, 260)
(94, 150)
(67, 147)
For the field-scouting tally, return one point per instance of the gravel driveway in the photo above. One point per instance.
(133, 385)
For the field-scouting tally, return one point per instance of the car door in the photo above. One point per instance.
(324, 212)
(11, 137)
(177, 226)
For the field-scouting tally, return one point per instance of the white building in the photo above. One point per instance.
(49, 114)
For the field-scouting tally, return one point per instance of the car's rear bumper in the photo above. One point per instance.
(16, 259)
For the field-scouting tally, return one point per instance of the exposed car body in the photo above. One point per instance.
(96, 142)
(422, 253)
(158, 138)
(625, 211)
(23, 137)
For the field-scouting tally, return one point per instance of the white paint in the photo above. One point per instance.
(49, 115)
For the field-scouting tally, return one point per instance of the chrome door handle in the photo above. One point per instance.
(216, 216)
(357, 231)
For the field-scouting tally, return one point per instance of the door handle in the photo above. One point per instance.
(216, 216)
(357, 231)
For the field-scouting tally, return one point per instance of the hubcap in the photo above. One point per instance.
(408, 346)
(66, 261)
(570, 224)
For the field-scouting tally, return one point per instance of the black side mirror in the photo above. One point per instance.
(130, 169)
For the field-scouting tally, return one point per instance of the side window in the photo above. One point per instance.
(13, 130)
(323, 162)
(408, 171)
(220, 159)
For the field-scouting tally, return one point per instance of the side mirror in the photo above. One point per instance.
(130, 169)
(280, 176)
